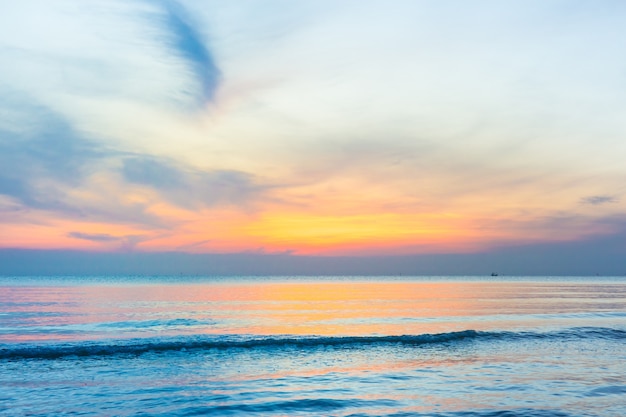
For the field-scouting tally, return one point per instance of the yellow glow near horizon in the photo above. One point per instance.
(312, 233)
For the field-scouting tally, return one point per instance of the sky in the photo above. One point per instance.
(356, 129)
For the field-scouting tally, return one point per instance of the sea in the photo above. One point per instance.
(313, 346)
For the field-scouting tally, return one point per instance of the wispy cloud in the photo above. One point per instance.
(48, 165)
(596, 200)
(126, 243)
(192, 188)
(47, 149)
(94, 237)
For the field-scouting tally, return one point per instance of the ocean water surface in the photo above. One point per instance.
(280, 346)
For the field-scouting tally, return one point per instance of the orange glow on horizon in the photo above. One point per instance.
(272, 229)
(314, 234)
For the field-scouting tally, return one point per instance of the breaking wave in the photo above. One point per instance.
(184, 343)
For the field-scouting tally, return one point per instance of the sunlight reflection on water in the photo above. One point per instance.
(299, 308)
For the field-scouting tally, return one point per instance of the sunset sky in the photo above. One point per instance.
(312, 127)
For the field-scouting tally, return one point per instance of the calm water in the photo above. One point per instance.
(313, 347)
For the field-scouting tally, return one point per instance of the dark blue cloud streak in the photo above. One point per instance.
(188, 43)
